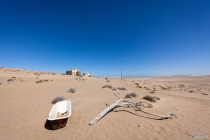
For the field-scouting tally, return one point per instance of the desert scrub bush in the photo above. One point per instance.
(39, 81)
(114, 89)
(191, 91)
(46, 80)
(143, 105)
(139, 86)
(37, 74)
(152, 92)
(151, 98)
(108, 80)
(119, 88)
(72, 90)
(146, 88)
(122, 88)
(107, 86)
(0, 83)
(131, 95)
(58, 99)
(10, 80)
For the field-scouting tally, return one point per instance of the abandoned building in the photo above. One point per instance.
(74, 71)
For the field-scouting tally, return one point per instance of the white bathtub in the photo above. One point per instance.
(59, 114)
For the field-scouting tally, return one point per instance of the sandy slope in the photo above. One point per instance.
(25, 104)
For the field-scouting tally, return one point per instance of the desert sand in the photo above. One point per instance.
(26, 103)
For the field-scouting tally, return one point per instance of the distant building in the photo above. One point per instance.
(74, 71)
(86, 74)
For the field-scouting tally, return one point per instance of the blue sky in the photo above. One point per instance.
(142, 37)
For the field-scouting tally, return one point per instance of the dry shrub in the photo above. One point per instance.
(143, 105)
(139, 86)
(152, 92)
(191, 91)
(107, 86)
(46, 80)
(37, 73)
(121, 88)
(108, 79)
(58, 99)
(131, 95)
(162, 88)
(181, 86)
(114, 89)
(151, 98)
(0, 83)
(146, 88)
(10, 80)
(72, 90)
(39, 81)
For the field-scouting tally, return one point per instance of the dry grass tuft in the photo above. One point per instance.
(107, 86)
(119, 88)
(139, 86)
(58, 99)
(10, 80)
(191, 91)
(146, 88)
(108, 79)
(151, 98)
(131, 95)
(72, 90)
(39, 81)
(143, 105)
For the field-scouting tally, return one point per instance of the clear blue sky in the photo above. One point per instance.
(142, 37)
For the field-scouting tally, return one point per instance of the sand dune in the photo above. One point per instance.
(25, 104)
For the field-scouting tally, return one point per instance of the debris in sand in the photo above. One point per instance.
(126, 103)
